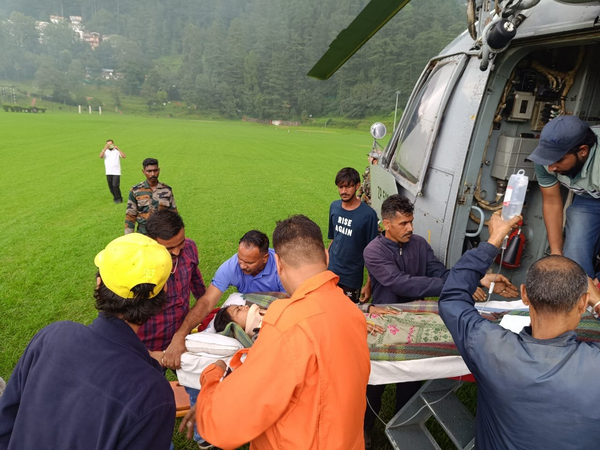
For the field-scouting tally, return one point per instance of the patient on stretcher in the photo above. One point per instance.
(386, 326)
(247, 317)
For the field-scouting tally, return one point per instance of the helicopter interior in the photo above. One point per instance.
(536, 86)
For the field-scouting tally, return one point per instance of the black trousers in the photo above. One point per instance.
(114, 184)
(404, 392)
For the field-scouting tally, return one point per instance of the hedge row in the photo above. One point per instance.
(17, 108)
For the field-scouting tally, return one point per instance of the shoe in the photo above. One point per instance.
(118, 201)
(367, 439)
(204, 445)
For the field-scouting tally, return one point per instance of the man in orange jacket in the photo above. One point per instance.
(303, 382)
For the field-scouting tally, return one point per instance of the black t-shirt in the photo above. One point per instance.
(351, 232)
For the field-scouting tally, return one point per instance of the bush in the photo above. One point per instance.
(27, 109)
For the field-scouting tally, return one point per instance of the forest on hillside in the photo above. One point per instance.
(230, 57)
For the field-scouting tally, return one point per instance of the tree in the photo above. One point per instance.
(60, 37)
(104, 22)
(251, 96)
(64, 60)
(21, 32)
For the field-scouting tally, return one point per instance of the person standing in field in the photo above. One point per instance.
(96, 386)
(352, 225)
(111, 154)
(147, 197)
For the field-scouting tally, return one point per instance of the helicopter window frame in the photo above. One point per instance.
(416, 100)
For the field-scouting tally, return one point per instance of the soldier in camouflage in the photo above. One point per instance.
(147, 197)
(364, 192)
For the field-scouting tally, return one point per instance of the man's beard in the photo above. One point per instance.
(573, 171)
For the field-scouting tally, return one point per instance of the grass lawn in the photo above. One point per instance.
(227, 177)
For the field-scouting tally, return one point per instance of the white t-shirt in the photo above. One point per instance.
(111, 162)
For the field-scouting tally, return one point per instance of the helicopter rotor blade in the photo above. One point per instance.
(370, 20)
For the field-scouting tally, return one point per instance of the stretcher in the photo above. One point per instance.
(431, 367)
(418, 362)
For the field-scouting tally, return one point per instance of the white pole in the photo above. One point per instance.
(396, 110)
(79, 109)
(90, 109)
(100, 110)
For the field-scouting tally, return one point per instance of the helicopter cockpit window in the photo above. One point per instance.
(419, 124)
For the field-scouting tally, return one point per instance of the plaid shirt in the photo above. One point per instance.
(156, 334)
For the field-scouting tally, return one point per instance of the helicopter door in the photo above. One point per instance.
(426, 156)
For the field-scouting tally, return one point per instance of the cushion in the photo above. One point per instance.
(212, 343)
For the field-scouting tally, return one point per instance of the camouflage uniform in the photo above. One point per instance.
(143, 201)
(364, 192)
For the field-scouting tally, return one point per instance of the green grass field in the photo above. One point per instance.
(227, 177)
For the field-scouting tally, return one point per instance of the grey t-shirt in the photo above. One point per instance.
(586, 183)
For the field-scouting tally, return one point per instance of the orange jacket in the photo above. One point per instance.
(304, 380)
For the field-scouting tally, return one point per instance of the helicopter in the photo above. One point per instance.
(476, 113)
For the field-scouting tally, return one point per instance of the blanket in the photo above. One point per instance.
(587, 330)
(407, 328)
(264, 299)
(235, 331)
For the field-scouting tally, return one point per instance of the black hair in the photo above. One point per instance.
(590, 140)
(164, 224)
(110, 140)
(136, 310)
(299, 241)
(149, 162)
(255, 238)
(347, 177)
(555, 284)
(222, 319)
(396, 204)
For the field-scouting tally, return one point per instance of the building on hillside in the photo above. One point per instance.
(91, 38)
(57, 19)
(107, 74)
(41, 26)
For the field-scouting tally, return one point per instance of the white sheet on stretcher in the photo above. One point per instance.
(382, 372)
(192, 365)
(387, 372)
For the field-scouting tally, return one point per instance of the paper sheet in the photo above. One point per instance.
(502, 306)
(515, 323)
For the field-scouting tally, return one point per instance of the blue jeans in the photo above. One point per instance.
(582, 241)
(193, 393)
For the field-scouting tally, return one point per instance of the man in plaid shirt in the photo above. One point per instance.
(167, 228)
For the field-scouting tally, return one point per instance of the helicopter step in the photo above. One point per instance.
(436, 398)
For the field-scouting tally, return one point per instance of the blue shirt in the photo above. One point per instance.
(94, 387)
(531, 393)
(351, 231)
(230, 274)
